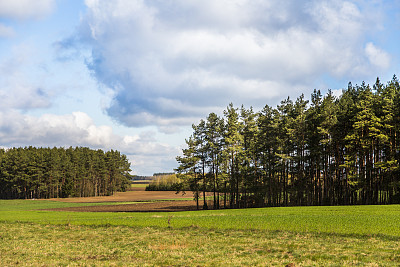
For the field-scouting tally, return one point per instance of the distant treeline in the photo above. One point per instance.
(58, 172)
(166, 182)
(157, 174)
(327, 151)
(140, 178)
(163, 173)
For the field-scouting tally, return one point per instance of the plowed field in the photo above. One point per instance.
(139, 207)
(164, 201)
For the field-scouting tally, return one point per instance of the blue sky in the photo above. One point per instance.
(134, 75)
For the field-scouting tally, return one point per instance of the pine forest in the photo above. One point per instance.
(326, 151)
(58, 172)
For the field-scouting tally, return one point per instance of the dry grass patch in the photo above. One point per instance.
(44, 245)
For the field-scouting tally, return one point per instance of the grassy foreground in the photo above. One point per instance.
(305, 236)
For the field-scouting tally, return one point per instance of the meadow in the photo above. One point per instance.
(32, 234)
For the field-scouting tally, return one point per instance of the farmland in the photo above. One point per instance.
(37, 232)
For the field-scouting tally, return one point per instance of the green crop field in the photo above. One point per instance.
(30, 234)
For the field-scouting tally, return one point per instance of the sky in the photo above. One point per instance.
(134, 75)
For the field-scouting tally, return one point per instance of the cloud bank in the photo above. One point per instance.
(24, 88)
(170, 62)
(25, 9)
(78, 129)
(22, 10)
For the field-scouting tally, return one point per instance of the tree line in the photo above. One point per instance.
(164, 182)
(58, 172)
(324, 151)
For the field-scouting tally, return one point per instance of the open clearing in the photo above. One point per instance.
(159, 206)
(48, 233)
(162, 201)
(134, 195)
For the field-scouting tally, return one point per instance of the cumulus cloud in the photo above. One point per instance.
(50, 130)
(377, 56)
(170, 62)
(25, 9)
(22, 10)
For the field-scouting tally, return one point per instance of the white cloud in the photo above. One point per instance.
(25, 9)
(21, 82)
(6, 31)
(22, 10)
(337, 92)
(377, 56)
(78, 129)
(172, 62)
(147, 165)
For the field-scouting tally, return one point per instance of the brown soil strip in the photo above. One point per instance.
(130, 196)
(135, 195)
(164, 206)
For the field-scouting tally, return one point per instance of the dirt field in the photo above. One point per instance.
(136, 195)
(139, 207)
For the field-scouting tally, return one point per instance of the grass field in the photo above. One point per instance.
(305, 236)
(140, 183)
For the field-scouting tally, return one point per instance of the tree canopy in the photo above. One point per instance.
(58, 172)
(326, 151)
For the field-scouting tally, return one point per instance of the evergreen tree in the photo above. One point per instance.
(333, 151)
(188, 164)
(199, 136)
(47, 173)
(213, 138)
(232, 150)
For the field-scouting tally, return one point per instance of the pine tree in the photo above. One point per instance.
(233, 148)
(314, 156)
(199, 136)
(213, 138)
(335, 151)
(251, 176)
(188, 164)
(267, 147)
(298, 175)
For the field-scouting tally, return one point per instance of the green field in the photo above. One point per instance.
(140, 183)
(305, 236)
